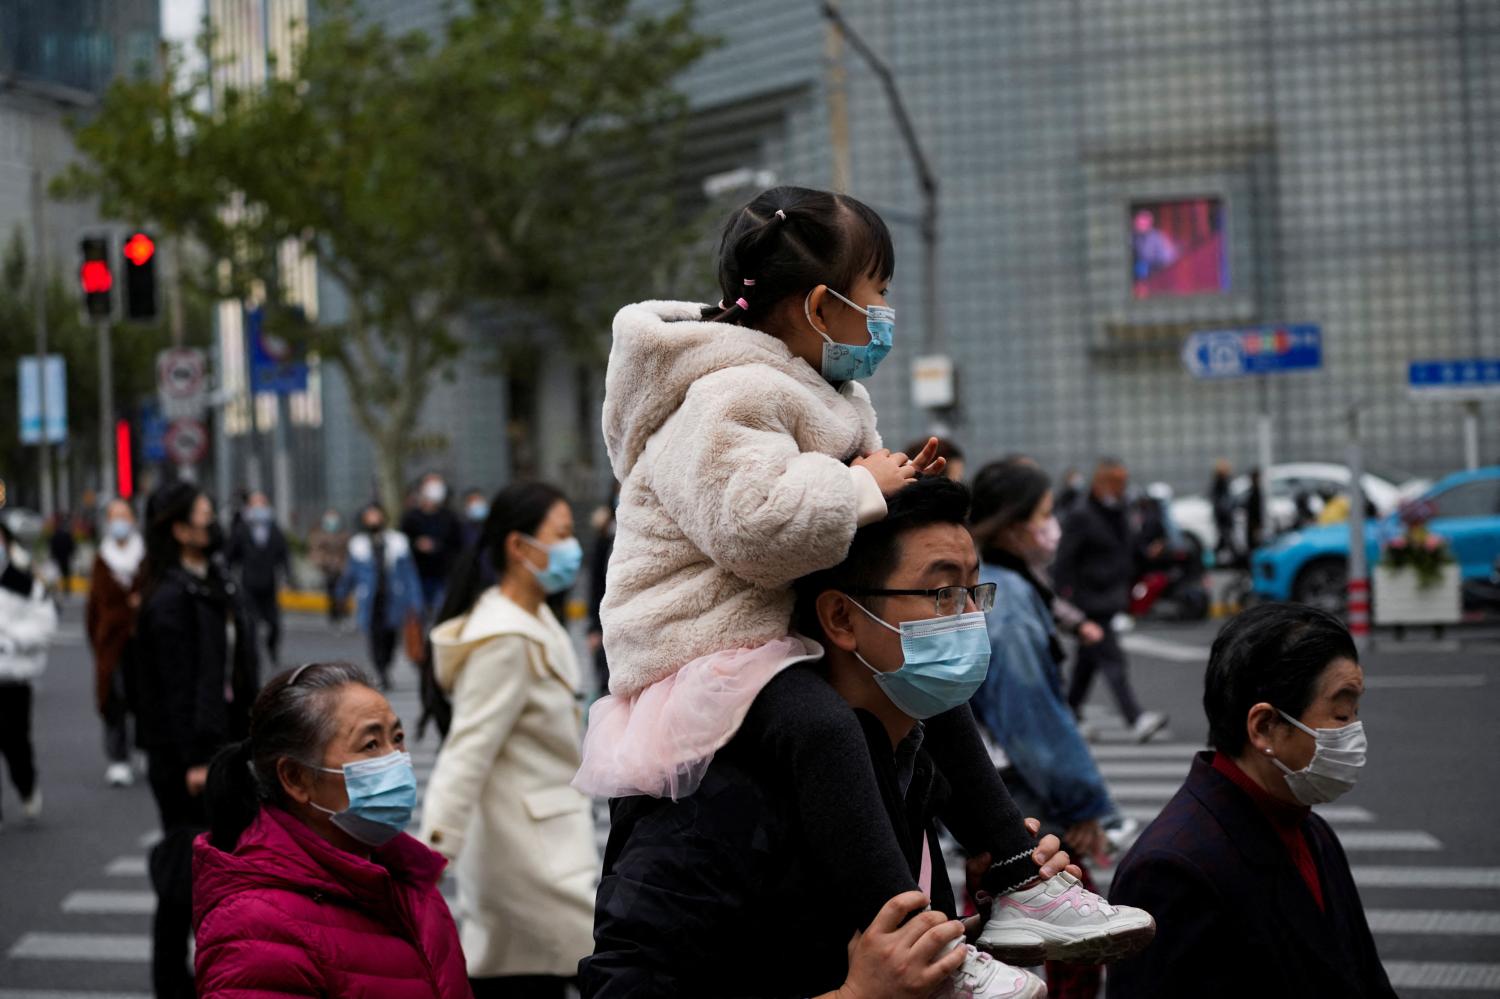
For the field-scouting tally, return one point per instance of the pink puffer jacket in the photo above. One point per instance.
(289, 914)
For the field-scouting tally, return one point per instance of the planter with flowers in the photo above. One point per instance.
(1417, 580)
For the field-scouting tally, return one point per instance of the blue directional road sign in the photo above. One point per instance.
(1462, 377)
(1258, 350)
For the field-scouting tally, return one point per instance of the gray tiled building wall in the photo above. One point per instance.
(1353, 143)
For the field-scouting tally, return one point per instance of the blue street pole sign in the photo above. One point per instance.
(1455, 378)
(30, 392)
(153, 434)
(274, 364)
(1257, 350)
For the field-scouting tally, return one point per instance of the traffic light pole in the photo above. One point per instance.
(106, 413)
(39, 305)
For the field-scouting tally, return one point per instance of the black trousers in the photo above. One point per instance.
(15, 736)
(806, 729)
(266, 608)
(1110, 658)
(382, 650)
(116, 720)
(180, 814)
(520, 987)
(335, 605)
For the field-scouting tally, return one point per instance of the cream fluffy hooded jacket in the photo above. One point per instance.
(732, 454)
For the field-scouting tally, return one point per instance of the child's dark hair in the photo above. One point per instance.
(788, 241)
(521, 506)
(292, 717)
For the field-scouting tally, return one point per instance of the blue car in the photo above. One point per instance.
(1312, 566)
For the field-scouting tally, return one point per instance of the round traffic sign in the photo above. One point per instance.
(180, 374)
(186, 442)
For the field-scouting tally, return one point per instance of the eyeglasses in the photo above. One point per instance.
(948, 600)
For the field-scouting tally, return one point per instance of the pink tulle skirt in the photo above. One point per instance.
(660, 741)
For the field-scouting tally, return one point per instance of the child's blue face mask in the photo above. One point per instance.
(843, 362)
(944, 661)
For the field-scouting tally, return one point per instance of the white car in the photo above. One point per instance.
(1194, 515)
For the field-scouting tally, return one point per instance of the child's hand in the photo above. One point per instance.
(893, 472)
(927, 462)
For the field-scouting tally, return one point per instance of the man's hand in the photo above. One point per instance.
(1086, 839)
(1090, 633)
(893, 472)
(895, 960)
(196, 778)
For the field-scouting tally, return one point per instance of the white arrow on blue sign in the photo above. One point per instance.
(1462, 377)
(1256, 350)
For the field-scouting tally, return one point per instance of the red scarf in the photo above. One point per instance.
(1289, 821)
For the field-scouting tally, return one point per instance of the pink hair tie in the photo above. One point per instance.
(742, 304)
(749, 282)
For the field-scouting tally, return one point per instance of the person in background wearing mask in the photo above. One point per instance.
(1251, 888)
(258, 550)
(328, 544)
(499, 801)
(305, 884)
(436, 538)
(1046, 763)
(1094, 569)
(383, 578)
(476, 508)
(198, 675)
(28, 620)
(109, 619)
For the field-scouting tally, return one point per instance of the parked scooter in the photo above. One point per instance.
(1171, 582)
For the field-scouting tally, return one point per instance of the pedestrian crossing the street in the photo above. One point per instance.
(97, 945)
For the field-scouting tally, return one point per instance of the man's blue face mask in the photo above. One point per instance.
(843, 362)
(944, 661)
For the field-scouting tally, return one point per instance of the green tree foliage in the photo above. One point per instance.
(519, 163)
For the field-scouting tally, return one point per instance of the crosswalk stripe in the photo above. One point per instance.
(109, 902)
(1335, 814)
(1145, 791)
(1389, 839)
(1427, 877)
(1135, 750)
(68, 993)
(83, 947)
(1443, 975)
(1445, 922)
(126, 867)
(1144, 768)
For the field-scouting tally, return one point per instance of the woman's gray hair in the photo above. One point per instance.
(292, 718)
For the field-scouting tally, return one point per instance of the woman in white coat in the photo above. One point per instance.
(499, 801)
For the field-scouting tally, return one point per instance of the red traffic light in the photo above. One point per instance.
(95, 277)
(139, 249)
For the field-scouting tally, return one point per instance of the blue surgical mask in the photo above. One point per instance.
(843, 362)
(945, 660)
(563, 561)
(477, 510)
(121, 530)
(382, 795)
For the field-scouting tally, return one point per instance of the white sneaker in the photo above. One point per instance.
(984, 977)
(31, 808)
(1061, 920)
(119, 775)
(1147, 725)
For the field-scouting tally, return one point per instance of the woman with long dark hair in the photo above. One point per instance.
(305, 884)
(499, 801)
(197, 674)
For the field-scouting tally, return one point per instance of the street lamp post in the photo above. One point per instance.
(932, 338)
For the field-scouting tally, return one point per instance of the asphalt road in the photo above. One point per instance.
(1421, 829)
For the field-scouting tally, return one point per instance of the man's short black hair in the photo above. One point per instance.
(1274, 653)
(876, 547)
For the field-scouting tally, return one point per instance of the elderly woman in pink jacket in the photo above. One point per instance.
(305, 884)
